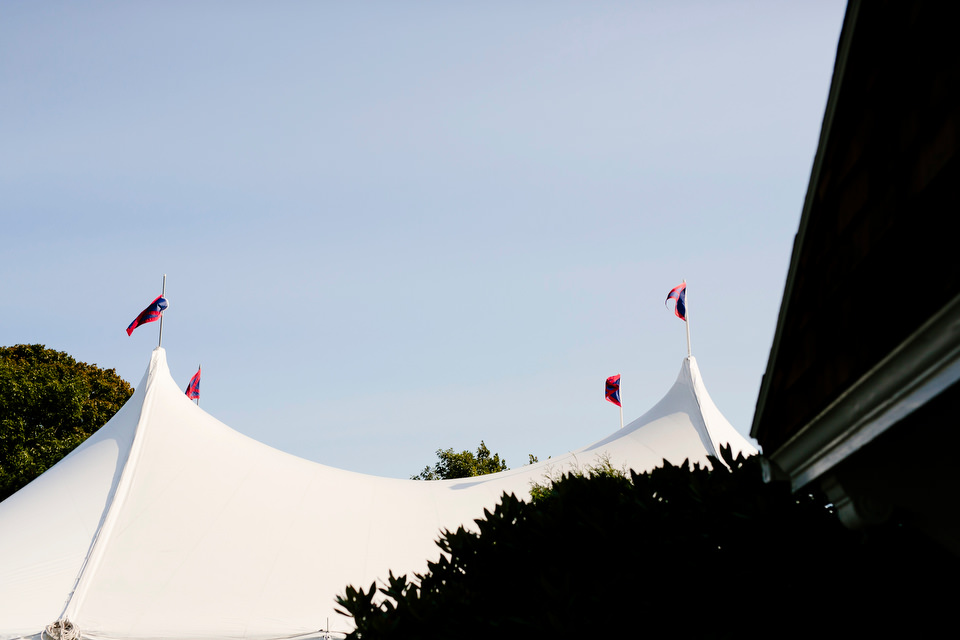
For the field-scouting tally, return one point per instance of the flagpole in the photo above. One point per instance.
(621, 414)
(686, 320)
(199, 367)
(163, 292)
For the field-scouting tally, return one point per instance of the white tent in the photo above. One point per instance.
(168, 524)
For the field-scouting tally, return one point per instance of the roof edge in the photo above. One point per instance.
(843, 53)
(918, 369)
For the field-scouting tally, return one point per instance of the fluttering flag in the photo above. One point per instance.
(150, 314)
(680, 293)
(612, 390)
(193, 388)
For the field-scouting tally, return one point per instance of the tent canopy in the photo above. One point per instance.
(167, 524)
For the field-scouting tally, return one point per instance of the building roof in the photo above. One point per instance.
(872, 261)
(864, 371)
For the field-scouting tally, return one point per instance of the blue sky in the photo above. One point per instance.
(394, 227)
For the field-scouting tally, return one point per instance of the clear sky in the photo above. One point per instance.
(394, 227)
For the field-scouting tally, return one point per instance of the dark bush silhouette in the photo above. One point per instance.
(676, 552)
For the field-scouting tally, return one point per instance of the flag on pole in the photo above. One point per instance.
(193, 388)
(680, 293)
(612, 390)
(150, 314)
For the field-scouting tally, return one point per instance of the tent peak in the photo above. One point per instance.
(177, 527)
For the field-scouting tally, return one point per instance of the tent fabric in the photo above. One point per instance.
(167, 524)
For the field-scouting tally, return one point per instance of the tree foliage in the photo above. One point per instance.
(603, 467)
(678, 551)
(464, 464)
(49, 404)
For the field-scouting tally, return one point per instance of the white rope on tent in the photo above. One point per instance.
(62, 629)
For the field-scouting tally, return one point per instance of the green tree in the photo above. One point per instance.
(462, 465)
(49, 404)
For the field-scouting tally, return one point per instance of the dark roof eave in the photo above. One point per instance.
(843, 52)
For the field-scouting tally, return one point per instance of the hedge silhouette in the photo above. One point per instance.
(679, 551)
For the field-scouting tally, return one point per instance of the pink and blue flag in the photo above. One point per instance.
(150, 314)
(612, 390)
(193, 388)
(680, 293)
